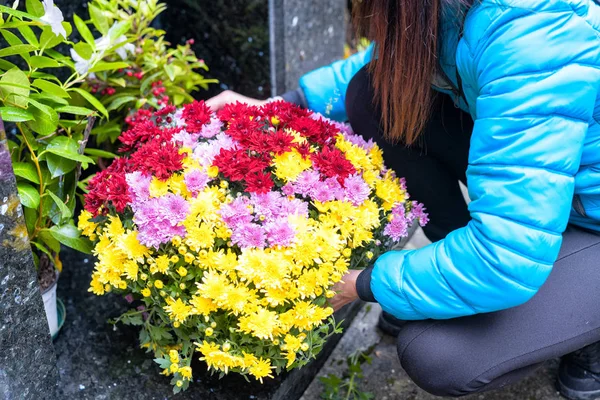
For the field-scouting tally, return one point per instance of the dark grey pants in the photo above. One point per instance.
(487, 351)
(466, 355)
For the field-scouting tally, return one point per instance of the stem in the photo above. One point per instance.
(83, 143)
(36, 162)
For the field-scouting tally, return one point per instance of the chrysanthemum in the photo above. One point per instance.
(261, 324)
(178, 310)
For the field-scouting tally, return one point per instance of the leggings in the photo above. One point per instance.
(472, 354)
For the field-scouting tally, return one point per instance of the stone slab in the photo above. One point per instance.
(304, 35)
(27, 361)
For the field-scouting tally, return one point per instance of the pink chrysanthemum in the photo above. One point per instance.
(249, 235)
(280, 233)
(356, 190)
(196, 180)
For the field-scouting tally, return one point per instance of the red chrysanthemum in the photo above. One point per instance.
(160, 159)
(259, 182)
(332, 163)
(245, 130)
(237, 164)
(117, 194)
(279, 142)
(108, 187)
(283, 111)
(314, 130)
(139, 134)
(196, 115)
(232, 112)
(166, 110)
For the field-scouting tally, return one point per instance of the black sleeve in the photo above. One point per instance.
(363, 286)
(296, 97)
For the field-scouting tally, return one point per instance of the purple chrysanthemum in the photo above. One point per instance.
(212, 129)
(249, 235)
(236, 213)
(138, 185)
(196, 180)
(280, 233)
(356, 190)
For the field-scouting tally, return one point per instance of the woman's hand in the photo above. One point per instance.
(346, 290)
(229, 96)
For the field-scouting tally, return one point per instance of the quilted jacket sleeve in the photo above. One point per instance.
(325, 88)
(535, 77)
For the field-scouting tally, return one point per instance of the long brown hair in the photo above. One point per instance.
(406, 36)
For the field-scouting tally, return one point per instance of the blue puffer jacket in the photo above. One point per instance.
(531, 74)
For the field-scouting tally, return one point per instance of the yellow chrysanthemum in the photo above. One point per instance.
(202, 305)
(261, 324)
(261, 369)
(178, 310)
(96, 286)
(114, 229)
(131, 246)
(87, 227)
(161, 264)
(158, 188)
(290, 164)
(389, 191)
(199, 237)
(186, 372)
(213, 285)
(131, 270)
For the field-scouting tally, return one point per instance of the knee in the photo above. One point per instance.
(435, 363)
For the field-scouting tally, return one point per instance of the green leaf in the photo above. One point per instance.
(49, 40)
(49, 241)
(46, 119)
(84, 50)
(28, 137)
(14, 114)
(119, 29)
(92, 100)
(26, 171)
(34, 7)
(31, 216)
(18, 49)
(48, 98)
(108, 66)
(170, 70)
(29, 195)
(18, 13)
(84, 31)
(42, 248)
(118, 102)
(69, 235)
(98, 19)
(11, 38)
(51, 88)
(59, 166)
(43, 62)
(6, 65)
(14, 87)
(64, 210)
(100, 153)
(28, 34)
(67, 148)
(75, 110)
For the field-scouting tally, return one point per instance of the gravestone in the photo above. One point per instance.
(27, 360)
(304, 35)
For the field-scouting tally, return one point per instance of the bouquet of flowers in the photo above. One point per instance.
(232, 228)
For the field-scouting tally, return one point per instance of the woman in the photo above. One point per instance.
(513, 280)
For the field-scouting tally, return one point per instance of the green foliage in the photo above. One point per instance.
(155, 72)
(347, 387)
(53, 117)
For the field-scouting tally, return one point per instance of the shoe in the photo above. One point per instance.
(389, 324)
(579, 374)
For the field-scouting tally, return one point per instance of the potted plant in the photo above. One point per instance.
(158, 72)
(51, 121)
